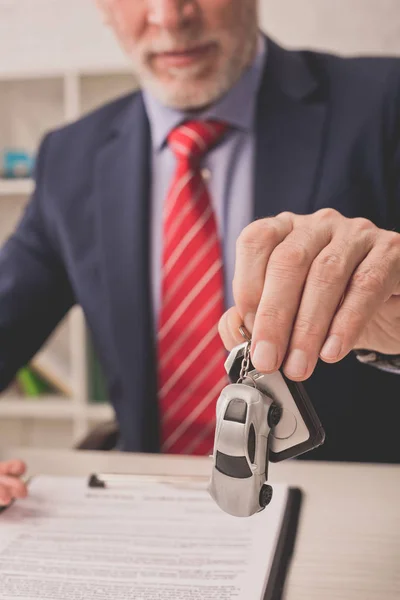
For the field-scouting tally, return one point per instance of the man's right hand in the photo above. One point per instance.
(11, 486)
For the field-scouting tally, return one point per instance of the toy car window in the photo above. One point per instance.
(251, 444)
(236, 411)
(233, 466)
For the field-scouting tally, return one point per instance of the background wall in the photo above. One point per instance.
(69, 33)
(344, 26)
(57, 60)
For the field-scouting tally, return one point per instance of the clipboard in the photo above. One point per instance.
(274, 550)
(285, 547)
(287, 539)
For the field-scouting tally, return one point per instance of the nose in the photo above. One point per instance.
(170, 14)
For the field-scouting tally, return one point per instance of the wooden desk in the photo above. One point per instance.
(348, 546)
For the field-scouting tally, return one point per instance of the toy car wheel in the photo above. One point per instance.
(265, 495)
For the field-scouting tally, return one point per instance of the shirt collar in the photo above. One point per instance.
(229, 108)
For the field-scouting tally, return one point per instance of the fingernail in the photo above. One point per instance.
(332, 347)
(297, 363)
(265, 356)
(249, 321)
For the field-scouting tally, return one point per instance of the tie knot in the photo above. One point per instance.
(193, 139)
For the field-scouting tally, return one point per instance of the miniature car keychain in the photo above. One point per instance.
(260, 418)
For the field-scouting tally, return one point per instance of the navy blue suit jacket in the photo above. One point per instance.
(327, 136)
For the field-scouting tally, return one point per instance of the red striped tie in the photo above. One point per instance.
(191, 354)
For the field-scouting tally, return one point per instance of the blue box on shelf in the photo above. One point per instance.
(16, 164)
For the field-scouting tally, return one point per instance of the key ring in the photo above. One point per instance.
(245, 334)
(244, 370)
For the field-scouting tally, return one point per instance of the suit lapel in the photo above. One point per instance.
(122, 188)
(290, 126)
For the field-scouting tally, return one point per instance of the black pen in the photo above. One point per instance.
(113, 480)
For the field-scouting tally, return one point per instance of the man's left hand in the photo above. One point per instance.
(309, 286)
(11, 486)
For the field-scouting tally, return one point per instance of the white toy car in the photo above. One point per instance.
(240, 458)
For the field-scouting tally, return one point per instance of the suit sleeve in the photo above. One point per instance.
(393, 152)
(35, 293)
(391, 162)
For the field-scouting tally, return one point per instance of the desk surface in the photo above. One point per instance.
(348, 546)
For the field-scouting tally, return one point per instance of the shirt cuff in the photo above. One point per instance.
(384, 362)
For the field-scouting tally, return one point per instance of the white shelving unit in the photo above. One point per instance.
(18, 187)
(52, 408)
(52, 76)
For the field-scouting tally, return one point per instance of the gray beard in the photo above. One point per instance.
(186, 94)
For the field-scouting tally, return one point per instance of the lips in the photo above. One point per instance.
(184, 57)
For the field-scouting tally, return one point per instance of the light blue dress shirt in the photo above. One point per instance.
(228, 168)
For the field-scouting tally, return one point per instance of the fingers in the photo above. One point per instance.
(307, 286)
(253, 250)
(286, 274)
(372, 284)
(382, 333)
(323, 292)
(229, 328)
(5, 495)
(11, 486)
(12, 467)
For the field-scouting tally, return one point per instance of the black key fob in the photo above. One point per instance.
(299, 429)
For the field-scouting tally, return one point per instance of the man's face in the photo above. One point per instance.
(188, 53)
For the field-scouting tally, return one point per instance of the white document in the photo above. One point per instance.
(153, 541)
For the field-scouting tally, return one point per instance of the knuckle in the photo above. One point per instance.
(362, 225)
(307, 326)
(371, 279)
(247, 236)
(349, 317)
(255, 237)
(246, 296)
(289, 255)
(392, 241)
(286, 215)
(278, 316)
(329, 268)
(327, 214)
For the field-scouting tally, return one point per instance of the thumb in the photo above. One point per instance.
(229, 328)
(12, 467)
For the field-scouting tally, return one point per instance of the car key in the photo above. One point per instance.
(260, 418)
(245, 418)
(299, 429)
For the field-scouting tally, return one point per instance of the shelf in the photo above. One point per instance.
(48, 407)
(16, 187)
(58, 73)
(52, 408)
(99, 412)
(46, 83)
(53, 363)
